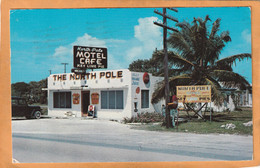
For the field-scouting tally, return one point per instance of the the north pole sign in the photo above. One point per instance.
(89, 57)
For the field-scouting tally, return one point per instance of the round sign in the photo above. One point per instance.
(90, 108)
(146, 78)
(174, 102)
(137, 90)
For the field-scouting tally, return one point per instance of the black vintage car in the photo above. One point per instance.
(20, 108)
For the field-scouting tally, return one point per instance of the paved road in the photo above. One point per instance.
(77, 140)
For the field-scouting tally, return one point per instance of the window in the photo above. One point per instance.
(145, 99)
(14, 102)
(62, 99)
(22, 102)
(113, 99)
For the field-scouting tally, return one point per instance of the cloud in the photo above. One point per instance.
(87, 40)
(148, 37)
(121, 53)
(146, 30)
(134, 53)
(246, 35)
(61, 51)
(65, 53)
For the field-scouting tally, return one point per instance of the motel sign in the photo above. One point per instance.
(89, 57)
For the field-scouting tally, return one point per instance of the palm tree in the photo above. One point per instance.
(195, 55)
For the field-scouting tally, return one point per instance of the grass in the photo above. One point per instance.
(205, 127)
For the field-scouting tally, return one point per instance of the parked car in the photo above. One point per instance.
(20, 108)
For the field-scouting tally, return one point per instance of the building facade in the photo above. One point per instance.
(115, 94)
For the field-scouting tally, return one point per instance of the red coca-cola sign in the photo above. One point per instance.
(146, 78)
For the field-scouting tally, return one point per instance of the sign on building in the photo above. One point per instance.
(194, 94)
(89, 57)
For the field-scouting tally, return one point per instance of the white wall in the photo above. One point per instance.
(97, 81)
(137, 81)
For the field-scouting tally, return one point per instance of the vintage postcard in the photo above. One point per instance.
(131, 85)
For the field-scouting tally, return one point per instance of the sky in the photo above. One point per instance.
(42, 39)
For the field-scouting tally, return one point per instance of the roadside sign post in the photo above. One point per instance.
(194, 94)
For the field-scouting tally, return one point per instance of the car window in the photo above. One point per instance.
(22, 102)
(14, 102)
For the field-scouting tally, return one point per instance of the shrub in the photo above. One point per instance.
(145, 118)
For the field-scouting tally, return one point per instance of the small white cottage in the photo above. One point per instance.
(115, 94)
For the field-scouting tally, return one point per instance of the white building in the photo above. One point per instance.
(116, 94)
(235, 98)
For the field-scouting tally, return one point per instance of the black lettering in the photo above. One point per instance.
(54, 76)
(82, 77)
(64, 77)
(93, 76)
(77, 76)
(102, 74)
(72, 76)
(87, 74)
(108, 75)
(119, 74)
(59, 77)
(113, 76)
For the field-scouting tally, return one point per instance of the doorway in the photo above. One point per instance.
(85, 99)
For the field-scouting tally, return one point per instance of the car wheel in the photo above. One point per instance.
(37, 115)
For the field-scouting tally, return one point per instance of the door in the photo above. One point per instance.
(15, 110)
(85, 99)
(23, 107)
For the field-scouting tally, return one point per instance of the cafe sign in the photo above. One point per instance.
(194, 94)
(89, 57)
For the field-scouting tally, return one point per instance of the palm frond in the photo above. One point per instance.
(230, 79)
(174, 72)
(225, 36)
(184, 26)
(181, 44)
(178, 60)
(232, 59)
(173, 58)
(217, 96)
(215, 28)
(214, 48)
(159, 93)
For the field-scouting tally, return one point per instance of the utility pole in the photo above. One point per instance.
(166, 76)
(65, 66)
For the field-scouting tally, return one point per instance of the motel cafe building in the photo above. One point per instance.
(115, 94)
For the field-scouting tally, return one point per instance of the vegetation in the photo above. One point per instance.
(152, 66)
(31, 91)
(194, 60)
(196, 51)
(145, 118)
(204, 127)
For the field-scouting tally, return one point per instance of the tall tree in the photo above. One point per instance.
(32, 92)
(195, 51)
(20, 89)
